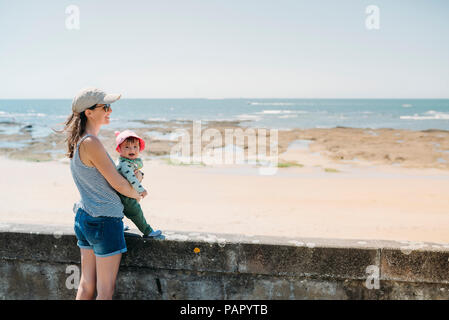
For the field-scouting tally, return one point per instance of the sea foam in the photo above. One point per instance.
(271, 103)
(429, 115)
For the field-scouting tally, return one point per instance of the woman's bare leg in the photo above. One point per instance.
(107, 269)
(86, 288)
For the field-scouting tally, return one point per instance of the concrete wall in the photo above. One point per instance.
(38, 262)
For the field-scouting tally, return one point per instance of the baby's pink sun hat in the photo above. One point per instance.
(121, 136)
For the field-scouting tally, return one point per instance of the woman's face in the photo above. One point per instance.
(99, 114)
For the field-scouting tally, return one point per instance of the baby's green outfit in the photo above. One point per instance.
(132, 209)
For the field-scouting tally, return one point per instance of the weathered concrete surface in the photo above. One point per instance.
(39, 262)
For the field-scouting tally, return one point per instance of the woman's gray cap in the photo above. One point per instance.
(89, 97)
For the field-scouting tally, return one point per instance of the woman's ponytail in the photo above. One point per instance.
(74, 127)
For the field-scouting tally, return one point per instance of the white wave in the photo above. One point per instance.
(281, 112)
(276, 111)
(252, 117)
(30, 114)
(286, 116)
(271, 103)
(429, 115)
(217, 119)
(407, 105)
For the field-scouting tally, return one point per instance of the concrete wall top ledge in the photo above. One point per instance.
(231, 253)
(223, 238)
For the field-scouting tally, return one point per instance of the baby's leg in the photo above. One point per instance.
(133, 211)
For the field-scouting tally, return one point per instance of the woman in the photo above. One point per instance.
(99, 213)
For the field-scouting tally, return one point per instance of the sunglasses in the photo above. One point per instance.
(106, 107)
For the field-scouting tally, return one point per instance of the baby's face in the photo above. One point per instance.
(130, 149)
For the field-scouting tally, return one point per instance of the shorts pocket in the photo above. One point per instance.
(94, 231)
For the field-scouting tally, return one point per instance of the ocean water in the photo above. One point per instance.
(40, 116)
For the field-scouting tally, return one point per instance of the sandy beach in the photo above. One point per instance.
(333, 183)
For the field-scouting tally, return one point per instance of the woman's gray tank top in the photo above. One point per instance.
(98, 198)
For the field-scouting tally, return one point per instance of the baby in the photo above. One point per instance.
(129, 145)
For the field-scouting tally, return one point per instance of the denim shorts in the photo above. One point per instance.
(104, 235)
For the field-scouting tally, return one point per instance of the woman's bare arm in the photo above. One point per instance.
(96, 154)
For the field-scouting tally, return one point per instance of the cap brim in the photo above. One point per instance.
(110, 98)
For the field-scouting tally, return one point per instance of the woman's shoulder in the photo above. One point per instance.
(92, 146)
(91, 142)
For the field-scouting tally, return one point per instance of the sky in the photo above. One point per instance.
(225, 49)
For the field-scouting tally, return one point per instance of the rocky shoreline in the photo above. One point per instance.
(398, 147)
